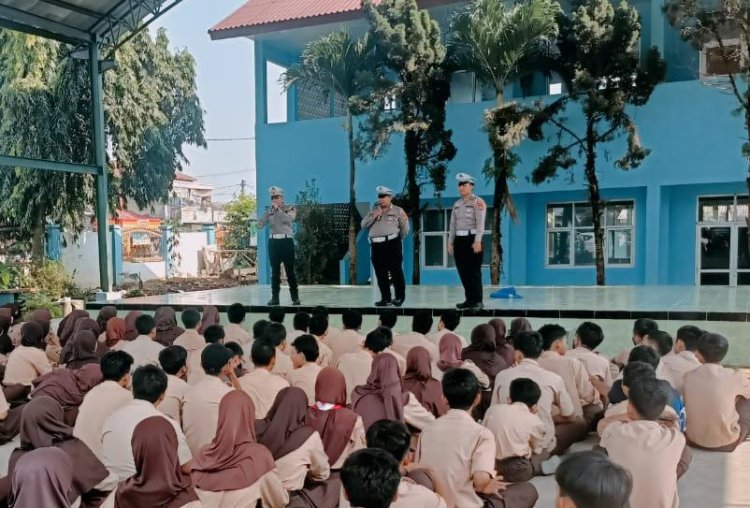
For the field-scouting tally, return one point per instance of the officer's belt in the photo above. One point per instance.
(466, 233)
(381, 239)
(280, 236)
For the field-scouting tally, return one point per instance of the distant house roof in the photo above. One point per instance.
(264, 16)
(183, 177)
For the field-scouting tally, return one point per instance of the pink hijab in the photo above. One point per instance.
(450, 352)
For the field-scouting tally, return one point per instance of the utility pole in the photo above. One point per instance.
(242, 187)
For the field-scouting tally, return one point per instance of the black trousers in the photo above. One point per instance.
(387, 259)
(281, 250)
(469, 266)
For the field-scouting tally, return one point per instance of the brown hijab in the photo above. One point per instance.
(483, 352)
(115, 331)
(158, 480)
(67, 387)
(130, 332)
(6, 344)
(285, 427)
(82, 350)
(42, 316)
(42, 426)
(450, 352)
(419, 381)
(211, 316)
(105, 314)
(519, 325)
(503, 346)
(67, 325)
(329, 415)
(382, 397)
(234, 459)
(166, 326)
(42, 478)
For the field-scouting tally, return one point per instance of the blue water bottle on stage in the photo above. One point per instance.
(280, 217)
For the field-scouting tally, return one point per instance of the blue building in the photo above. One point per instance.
(677, 219)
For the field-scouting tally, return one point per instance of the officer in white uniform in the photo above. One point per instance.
(388, 225)
(280, 244)
(465, 241)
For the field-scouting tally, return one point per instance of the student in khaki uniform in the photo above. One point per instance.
(356, 367)
(319, 330)
(261, 384)
(717, 399)
(675, 365)
(421, 324)
(348, 340)
(464, 451)
(586, 479)
(370, 478)
(304, 355)
(649, 450)
(275, 333)
(173, 361)
(234, 332)
(449, 321)
(588, 337)
(641, 328)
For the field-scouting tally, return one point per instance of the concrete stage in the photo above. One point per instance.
(682, 303)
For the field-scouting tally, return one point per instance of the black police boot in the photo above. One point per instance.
(463, 305)
(273, 301)
(476, 306)
(398, 302)
(383, 303)
(295, 298)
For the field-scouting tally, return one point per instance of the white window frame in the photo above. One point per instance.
(572, 229)
(734, 224)
(736, 41)
(444, 234)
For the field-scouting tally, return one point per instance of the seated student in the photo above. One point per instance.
(41, 478)
(383, 397)
(200, 409)
(233, 331)
(172, 360)
(83, 350)
(675, 365)
(520, 435)
(319, 329)
(419, 382)
(6, 344)
(277, 315)
(650, 451)
(483, 352)
(211, 317)
(28, 360)
(10, 420)
(387, 318)
(191, 339)
(238, 355)
(590, 480)
(157, 478)
(149, 386)
(450, 358)
(104, 399)
(213, 334)
(261, 384)
(234, 470)
(370, 479)
(356, 366)
(420, 326)
(348, 340)
(276, 334)
(464, 451)
(564, 428)
(504, 347)
(167, 330)
(449, 321)
(301, 326)
(259, 328)
(304, 353)
(641, 328)
(144, 349)
(571, 370)
(68, 388)
(717, 399)
(660, 341)
(114, 335)
(588, 337)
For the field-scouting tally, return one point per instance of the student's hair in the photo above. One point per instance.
(319, 310)
(648, 396)
(460, 388)
(275, 333)
(662, 340)
(32, 335)
(236, 313)
(115, 364)
(214, 357)
(371, 478)
(689, 335)
(235, 348)
(525, 390)
(214, 334)
(307, 346)
(318, 325)
(388, 318)
(590, 334)
(643, 353)
(145, 324)
(644, 326)
(713, 347)
(172, 359)
(191, 317)
(149, 383)
(351, 319)
(388, 334)
(635, 371)
(551, 333)
(529, 344)
(259, 328)
(451, 319)
(391, 436)
(262, 352)
(277, 315)
(591, 480)
(376, 341)
(301, 321)
(421, 322)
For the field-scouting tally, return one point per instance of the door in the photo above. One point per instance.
(723, 255)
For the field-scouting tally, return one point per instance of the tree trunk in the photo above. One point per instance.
(595, 199)
(747, 181)
(352, 202)
(496, 261)
(37, 241)
(413, 197)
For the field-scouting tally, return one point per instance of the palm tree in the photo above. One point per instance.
(496, 41)
(337, 65)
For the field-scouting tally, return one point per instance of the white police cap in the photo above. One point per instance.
(276, 191)
(380, 189)
(464, 178)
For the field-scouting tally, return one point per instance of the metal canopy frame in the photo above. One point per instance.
(91, 27)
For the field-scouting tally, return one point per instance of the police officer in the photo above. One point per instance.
(465, 241)
(388, 225)
(280, 244)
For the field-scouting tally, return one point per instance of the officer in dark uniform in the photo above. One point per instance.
(280, 244)
(465, 241)
(388, 225)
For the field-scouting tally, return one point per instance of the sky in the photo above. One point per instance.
(226, 91)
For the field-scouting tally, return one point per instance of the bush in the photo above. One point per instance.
(317, 247)
(49, 278)
(40, 301)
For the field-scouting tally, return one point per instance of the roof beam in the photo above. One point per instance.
(65, 167)
(42, 24)
(73, 8)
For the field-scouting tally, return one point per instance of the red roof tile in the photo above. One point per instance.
(183, 177)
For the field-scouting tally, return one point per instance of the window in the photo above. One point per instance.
(718, 62)
(435, 227)
(465, 88)
(570, 234)
(723, 209)
(276, 98)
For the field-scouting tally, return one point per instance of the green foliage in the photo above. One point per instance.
(9, 276)
(42, 301)
(238, 226)
(48, 278)
(316, 239)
